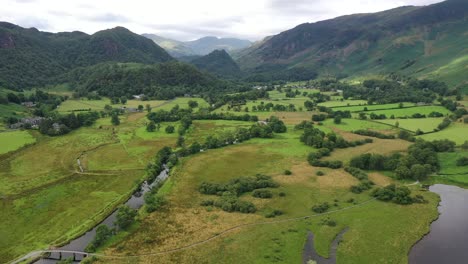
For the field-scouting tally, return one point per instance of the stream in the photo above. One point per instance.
(136, 201)
(309, 252)
(447, 242)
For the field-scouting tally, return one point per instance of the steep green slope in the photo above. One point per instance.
(429, 41)
(160, 81)
(218, 62)
(29, 57)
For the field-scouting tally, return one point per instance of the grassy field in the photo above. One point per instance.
(14, 140)
(282, 95)
(456, 132)
(407, 112)
(360, 108)
(38, 189)
(344, 103)
(184, 221)
(13, 110)
(413, 124)
(349, 124)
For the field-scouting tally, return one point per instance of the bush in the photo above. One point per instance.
(287, 172)
(273, 213)
(321, 208)
(282, 194)
(262, 193)
(462, 161)
(319, 173)
(170, 129)
(125, 217)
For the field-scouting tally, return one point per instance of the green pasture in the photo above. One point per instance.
(13, 140)
(413, 124)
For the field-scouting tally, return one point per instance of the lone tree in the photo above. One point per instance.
(151, 126)
(115, 120)
(125, 217)
(192, 104)
(170, 129)
(148, 108)
(337, 119)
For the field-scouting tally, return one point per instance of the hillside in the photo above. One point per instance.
(159, 81)
(219, 63)
(29, 57)
(428, 41)
(202, 46)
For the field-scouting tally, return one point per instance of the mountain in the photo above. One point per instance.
(30, 58)
(428, 41)
(219, 63)
(174, 47)
(206, 45)
(201, 46)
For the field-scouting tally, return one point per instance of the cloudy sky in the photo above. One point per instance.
(186, 19)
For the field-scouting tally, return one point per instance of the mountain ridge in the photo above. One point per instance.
(419, 41)
(202, 46)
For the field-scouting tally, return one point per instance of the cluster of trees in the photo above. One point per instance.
(63, 124)
(364, 182)
(321, 208)
(314, 159)
(371, 133)
(418, 164)
(462, 161)
(165, 157)
(394, 91)
(229, 192)
(177, 114)
(275, 107)
(240, 98)
(397, 194)
(238, 186)
(325, 143)
(315, 137)
(38, 97)
(229, 202)
(153, 201)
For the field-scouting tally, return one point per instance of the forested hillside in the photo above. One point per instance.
(218, 62)
(159, 81)
(30, 58)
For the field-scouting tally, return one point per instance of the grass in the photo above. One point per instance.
(344, 103)
(456, 132)
(413, 124)
(14, 140)
(13, 110)
(360, 108)
(407, 112)
(184, 221)
(97, 105)
(183, 103)
(349, 124)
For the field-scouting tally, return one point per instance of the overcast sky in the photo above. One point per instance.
(186, 19)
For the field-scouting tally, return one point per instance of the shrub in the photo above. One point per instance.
(170, 129)
(321, 208)
(462, 161)
(282, 194)
(287, 172)
(273, 213)
(262, 193)
(319, 173)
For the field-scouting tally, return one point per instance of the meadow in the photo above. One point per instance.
(97, 105)
(14, 140)
(413, 124)
(39, 189)
(183, 221)
(409, 111)
(456, 132)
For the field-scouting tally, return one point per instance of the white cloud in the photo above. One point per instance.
(186, 19)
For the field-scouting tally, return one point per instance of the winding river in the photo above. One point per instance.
(447, 241)
(80, 243)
